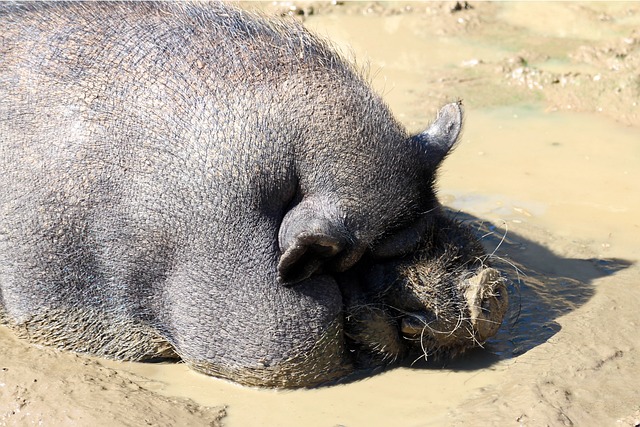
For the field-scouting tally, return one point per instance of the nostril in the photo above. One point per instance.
(486, 304)
(493, 297)
(497, 292)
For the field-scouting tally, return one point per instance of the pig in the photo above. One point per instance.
(193, 181)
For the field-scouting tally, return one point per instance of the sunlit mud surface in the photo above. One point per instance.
(547, 171)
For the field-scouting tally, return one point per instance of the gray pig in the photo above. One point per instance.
(193, 181)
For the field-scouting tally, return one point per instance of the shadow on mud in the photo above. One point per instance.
(544, 286)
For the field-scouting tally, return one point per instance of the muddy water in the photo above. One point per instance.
(557, 195)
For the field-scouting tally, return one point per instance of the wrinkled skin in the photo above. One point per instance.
(194, 182)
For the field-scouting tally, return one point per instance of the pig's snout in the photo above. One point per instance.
(486, 300)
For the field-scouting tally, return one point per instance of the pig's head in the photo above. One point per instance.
(379, 181)
(421, 281)
(439, 300)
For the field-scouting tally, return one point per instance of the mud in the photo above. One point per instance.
(548, 171)
(41, 386)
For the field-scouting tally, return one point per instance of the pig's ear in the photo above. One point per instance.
(442, 135)
(309, 237)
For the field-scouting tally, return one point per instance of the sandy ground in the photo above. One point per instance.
(548, 170)
(41, 386)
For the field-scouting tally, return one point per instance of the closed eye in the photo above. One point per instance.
(402, 242)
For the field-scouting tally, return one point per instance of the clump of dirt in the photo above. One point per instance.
(612, 87)
(597, 76)
(441, 18)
